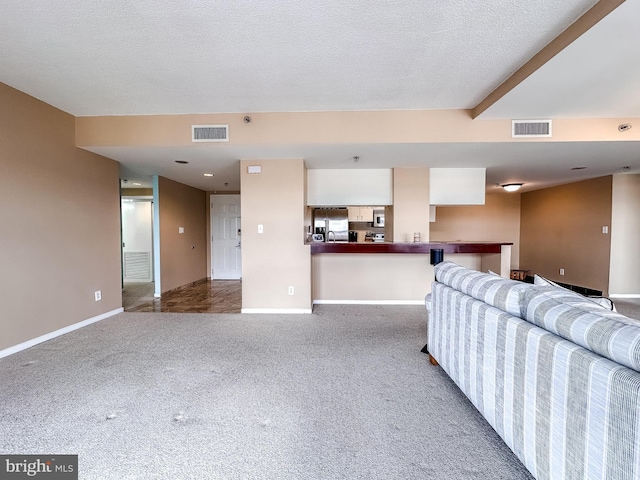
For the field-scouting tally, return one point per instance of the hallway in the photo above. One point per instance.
(204, 296)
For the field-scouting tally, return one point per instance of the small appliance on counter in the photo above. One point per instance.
(378, 237)
(353, 236)
(378, 218)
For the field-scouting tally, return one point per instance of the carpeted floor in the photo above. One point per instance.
(343, 393)
(628, 306)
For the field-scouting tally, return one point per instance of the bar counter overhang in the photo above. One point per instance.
(415, 248)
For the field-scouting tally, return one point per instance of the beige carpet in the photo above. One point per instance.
(343, 393)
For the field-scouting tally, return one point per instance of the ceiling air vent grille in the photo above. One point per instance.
(209, 133)
(530, 128)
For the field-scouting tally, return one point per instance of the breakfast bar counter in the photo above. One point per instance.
(393, 273)
(416, 248)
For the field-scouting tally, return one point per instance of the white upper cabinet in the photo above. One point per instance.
(350, 187)
(457, 186)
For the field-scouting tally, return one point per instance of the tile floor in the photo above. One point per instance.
(204, 296)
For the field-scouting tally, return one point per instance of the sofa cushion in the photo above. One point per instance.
(580, 321)
(602, 301)
(494, 290)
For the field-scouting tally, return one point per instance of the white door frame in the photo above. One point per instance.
(143, 247)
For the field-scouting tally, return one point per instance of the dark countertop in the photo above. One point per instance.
(419, 248)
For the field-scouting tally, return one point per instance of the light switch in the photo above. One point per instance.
(605, 229)
(180, 229)
(260, 228)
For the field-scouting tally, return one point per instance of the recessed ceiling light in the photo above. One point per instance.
(579, 168)
(182, 162)
(208, 174)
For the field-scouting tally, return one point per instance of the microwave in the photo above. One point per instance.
(378, 218)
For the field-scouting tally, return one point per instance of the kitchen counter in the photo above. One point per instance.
(415, 248)
(393, 273)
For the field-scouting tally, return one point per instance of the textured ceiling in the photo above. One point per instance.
(117, 57)
(165, 56)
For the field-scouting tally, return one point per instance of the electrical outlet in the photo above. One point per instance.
(260, 228)
(290, 290)
(98, 295)
(605, 229)
(562, 271)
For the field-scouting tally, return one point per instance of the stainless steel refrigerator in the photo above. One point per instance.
(333, 223)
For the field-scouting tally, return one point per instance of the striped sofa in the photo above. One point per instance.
(556, 375)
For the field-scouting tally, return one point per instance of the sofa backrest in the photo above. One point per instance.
(494, 290)
(584, 323)
(567, 314)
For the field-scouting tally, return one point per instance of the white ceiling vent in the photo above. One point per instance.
(530, 128)
(209, 133)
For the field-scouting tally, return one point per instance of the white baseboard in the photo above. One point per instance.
(276, 310)
(48, 336)
(624, 295)
(368, 302)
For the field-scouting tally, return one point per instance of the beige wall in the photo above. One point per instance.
(276, 259)
(410, 204)
(59, 223)
(183, 256)
(561, 227)
(498, 220)
(625, 236)
(407, 126)
(137, 192)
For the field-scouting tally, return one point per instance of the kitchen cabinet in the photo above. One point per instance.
(457, 186)
(337, 187)
(361, 214)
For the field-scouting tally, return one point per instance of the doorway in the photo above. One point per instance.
(226, 238)
(137, 250)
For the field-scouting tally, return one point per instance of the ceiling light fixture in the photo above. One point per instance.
(136, 184)
(356, 158)
(578, 168)
(624, 127)
(512, 187)
(208, 174)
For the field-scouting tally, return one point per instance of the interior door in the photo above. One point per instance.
(226, 238)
